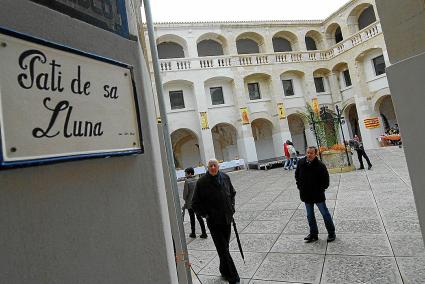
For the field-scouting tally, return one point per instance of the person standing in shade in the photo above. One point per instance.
(214, 199)
(358, 146)
(188, 192)
(312, 179)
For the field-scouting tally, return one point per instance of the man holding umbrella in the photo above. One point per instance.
(214, 199)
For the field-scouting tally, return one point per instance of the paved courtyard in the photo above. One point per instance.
(378, 234)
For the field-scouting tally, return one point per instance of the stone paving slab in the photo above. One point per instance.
(295, 244)
(360, 269)
(378, 236)
(255, 242)
(354, 244)
(305, 268)
(412, 269)
(245, 270)
(407, 244)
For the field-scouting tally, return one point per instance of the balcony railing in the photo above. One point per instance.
(224, 61)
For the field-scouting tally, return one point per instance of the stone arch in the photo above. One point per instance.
(250, 43)
(180, 85)
(262, 131)
(297, 126)
(385, 107)
(212, 44)
(352, 120)
(264, 82)
(361, 16)
(285, 41)
(227, 90)
(342, 71)
(297, 80)
(225, 141)
(364, 53)
(315, 37)
(185, 145)
(334, 34)
(324, 74)
(171, 46)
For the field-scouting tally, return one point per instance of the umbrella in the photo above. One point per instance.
(238, 240)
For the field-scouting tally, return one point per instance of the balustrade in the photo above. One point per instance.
(273, 58)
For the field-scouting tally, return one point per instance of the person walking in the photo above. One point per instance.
(312, 180)
(292, 156)
(287, 155)
(358, 146)
(214, 199)
(188, 192)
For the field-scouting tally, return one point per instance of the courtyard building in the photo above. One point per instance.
(240, 89)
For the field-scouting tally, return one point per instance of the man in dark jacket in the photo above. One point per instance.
(214, 199)
(312, 180)
(188, 192)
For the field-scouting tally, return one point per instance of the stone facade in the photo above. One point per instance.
(246, 56)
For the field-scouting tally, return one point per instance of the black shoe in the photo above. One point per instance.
(192, 235)
(311, 238)
(361, 168)
(370, 166)
(203, 236)
(331, 238)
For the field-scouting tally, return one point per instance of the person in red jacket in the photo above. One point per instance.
(287, 155)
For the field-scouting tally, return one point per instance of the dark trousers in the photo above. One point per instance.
(220, 234)
(192, 221)
(360, 154)
(330, 227)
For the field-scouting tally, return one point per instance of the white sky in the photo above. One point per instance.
(242, 10)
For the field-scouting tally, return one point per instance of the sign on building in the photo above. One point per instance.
(281, 111)
(59, 103)
(106, 14)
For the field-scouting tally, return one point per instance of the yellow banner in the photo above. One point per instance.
(281, 111)
(204, 120)
(244, 115)
(315, 105)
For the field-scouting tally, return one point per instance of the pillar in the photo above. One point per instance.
(365, 109)
(206, 145)
(246, 143)
(282, 128)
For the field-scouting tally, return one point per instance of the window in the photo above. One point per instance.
(254, 91)
(176, 99)
(379, 64)
(288, 88)
(310, 43)
(318, 82)
(217, 95)
(347, 78)
(338, 35)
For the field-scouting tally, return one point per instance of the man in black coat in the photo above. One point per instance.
(214, 199)
(312, 180)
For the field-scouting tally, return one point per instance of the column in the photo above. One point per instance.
(206, 145)
(335, 87)
(246, 143)
(365, 109)
(282, 134)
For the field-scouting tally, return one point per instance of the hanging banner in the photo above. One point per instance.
(315, 105)
(58, 103)
(281, 111)
(204, 120)
(244, 115)
(372, 122)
